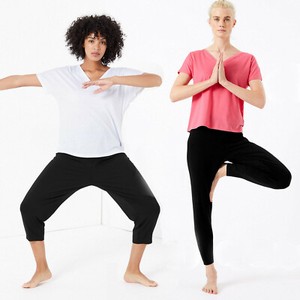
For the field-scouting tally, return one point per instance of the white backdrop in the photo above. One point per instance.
(252, 225)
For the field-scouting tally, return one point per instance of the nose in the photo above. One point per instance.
(96, 46)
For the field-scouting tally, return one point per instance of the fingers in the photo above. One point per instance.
(98, 91)
(88, 84)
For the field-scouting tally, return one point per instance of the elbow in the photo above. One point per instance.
(261, 103)
(153, 80)
(158, 80)
(173, 96)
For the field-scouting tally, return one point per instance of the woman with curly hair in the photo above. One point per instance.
(92, 98)
(216, 147)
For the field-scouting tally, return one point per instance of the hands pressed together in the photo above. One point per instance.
(218, 74)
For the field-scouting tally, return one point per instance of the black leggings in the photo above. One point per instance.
(66, 174)
(208, 149)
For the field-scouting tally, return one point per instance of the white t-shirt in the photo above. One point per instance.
(90, 124)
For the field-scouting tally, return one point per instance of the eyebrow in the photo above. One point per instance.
(220, 17)
(95, 37)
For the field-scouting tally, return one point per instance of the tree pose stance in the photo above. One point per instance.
(216, 147)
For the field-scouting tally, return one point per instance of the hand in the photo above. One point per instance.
(104, 84)
(215, 72)
(221, 76)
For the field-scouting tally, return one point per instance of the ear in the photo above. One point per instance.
(234, 23)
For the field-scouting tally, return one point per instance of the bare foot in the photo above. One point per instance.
(138, 277)
(220, 173)
(211, 285)
(38, 277)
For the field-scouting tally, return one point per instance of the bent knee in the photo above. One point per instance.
(156, 209)
(285, 180)
(27, 208)
(150, 211)
(24, 208)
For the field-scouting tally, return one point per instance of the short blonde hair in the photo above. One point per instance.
(222, 4)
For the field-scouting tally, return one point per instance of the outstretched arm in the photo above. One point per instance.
(143, 80)
(16, 81)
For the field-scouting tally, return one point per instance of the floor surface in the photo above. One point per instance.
(88, 263)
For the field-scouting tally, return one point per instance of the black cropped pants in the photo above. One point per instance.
(208, 149)
(66, 174)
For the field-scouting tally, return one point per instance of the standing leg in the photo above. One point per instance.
(55, 184)
(220, 173)
(120, 178)
(204, 158)
(42, 272)
(133, 273)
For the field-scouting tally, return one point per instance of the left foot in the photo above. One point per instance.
(38, 277)
(211, 285)
(138, 277)
(220, 173)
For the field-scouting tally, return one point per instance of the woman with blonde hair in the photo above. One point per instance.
(216, 147)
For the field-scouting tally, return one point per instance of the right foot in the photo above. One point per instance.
(211, 285)
(38, 277)
(138, 277)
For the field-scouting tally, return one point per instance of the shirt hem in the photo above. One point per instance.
(85, 155)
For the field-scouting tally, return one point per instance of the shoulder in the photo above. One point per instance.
(197, 56)
(61, 70)
(198, 53)
(246, 56)
(123, 71)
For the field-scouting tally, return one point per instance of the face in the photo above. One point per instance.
(222, 21)
(95, 47)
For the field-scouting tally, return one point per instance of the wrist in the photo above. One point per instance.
(211, 81)
(115, 80)
(224, 83)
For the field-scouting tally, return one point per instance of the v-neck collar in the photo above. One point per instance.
(228, 58)
(87, 77)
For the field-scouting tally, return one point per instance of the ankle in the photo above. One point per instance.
(42, 268)
(211, 271)
(133, 270)
(222, 172)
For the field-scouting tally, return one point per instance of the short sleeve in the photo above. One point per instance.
(129, 93)
(254, 73)
(54, 80)
(187, 66)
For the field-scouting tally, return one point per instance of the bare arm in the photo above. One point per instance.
(16, 81)
(143, 80)
(255, 96)
(182, 90)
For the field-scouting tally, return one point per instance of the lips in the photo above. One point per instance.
(95, 53)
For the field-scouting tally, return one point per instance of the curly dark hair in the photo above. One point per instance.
(104, 25)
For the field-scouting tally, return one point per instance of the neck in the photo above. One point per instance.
(221, 44)
(92, 65)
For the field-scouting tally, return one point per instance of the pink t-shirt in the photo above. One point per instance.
(216, 107)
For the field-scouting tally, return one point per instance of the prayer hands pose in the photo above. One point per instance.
(218, 74)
